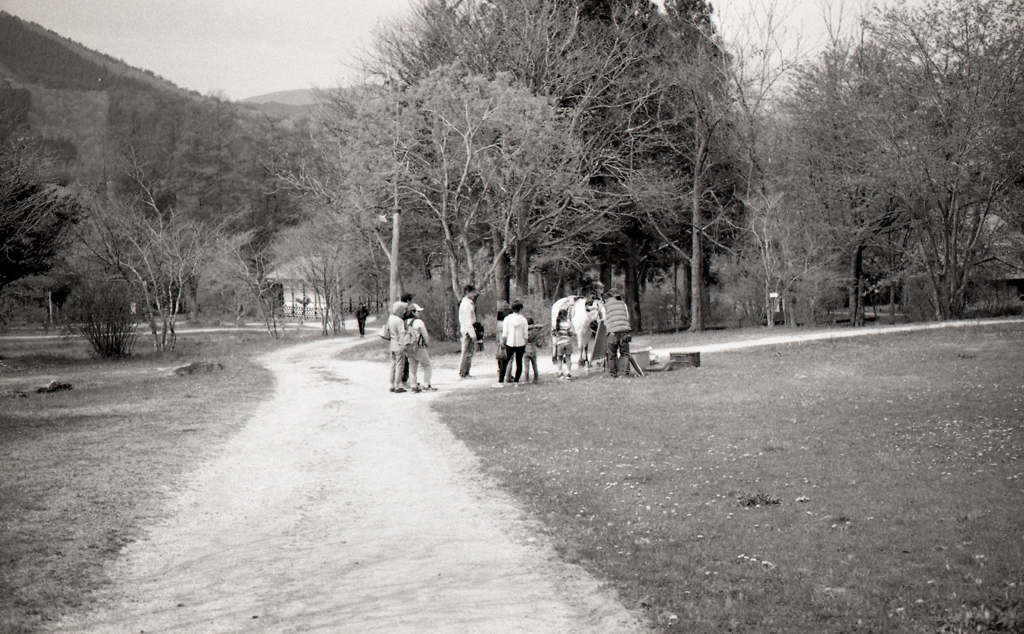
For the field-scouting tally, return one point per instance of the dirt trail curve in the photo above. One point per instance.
(343, 508)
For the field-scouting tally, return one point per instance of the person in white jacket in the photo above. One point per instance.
(395, 328)
(514, 332)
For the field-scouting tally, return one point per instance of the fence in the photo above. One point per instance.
(314, 310)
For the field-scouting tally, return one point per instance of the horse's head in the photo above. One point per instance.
(594, 309)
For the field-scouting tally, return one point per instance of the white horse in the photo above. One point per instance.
(582, 315)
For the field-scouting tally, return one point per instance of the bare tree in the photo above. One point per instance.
(157, 251)
(317, 250)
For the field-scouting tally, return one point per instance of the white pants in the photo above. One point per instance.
(419, 359)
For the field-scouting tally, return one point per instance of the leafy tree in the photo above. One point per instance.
(837, 172)
(596, 60)
(946, 113)
(35, 216)
(487, 164)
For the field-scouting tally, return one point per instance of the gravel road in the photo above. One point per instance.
(343, 508)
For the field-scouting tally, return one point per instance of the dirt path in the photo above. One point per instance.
(344, 508)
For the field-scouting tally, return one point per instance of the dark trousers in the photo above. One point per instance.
(362, 327)
(502, 367)
(517, 353)
(617, 358)
(527, 363)
(467, 355)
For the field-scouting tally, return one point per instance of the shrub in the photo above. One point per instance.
(102, 313)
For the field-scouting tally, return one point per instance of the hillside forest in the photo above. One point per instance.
(533, 149)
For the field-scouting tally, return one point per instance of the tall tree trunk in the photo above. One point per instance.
(604, 275)
(522, 270)
(500, 271)
(697, 267)
(632, 293)
(856, 299)
(697, 238)
(684, 292)
(675, 296)
(396, 232)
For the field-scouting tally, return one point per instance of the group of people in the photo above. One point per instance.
(409, 340)
(615, 315)
(518, 339)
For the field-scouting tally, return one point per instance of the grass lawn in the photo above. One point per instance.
(872, 484)
(81, 471)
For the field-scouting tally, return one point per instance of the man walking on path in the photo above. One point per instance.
(467, 328)
(361, 314)
(616, 321)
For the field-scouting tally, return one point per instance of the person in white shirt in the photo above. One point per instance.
(514, 331)
(467, 328)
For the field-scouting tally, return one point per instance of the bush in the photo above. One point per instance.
(102, 313)
(656, 306)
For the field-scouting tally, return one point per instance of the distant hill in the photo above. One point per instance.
(286, 104)
(302, 97)
(86, 108)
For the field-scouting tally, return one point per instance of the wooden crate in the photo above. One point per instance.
(689, 359)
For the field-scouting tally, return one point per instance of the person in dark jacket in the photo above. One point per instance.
(616, 321)
(406, 299)
(361, 314)
(500, 350)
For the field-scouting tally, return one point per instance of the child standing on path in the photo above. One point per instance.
(562, 344)
(533, 341)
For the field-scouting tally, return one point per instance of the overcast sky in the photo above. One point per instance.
(246, 48)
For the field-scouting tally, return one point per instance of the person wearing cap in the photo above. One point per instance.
(396, 328)
(616, 322)
(416, 351)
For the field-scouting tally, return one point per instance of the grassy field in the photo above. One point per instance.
(873, 484)
(82, 471)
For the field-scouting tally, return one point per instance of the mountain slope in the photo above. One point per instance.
(31, 54)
